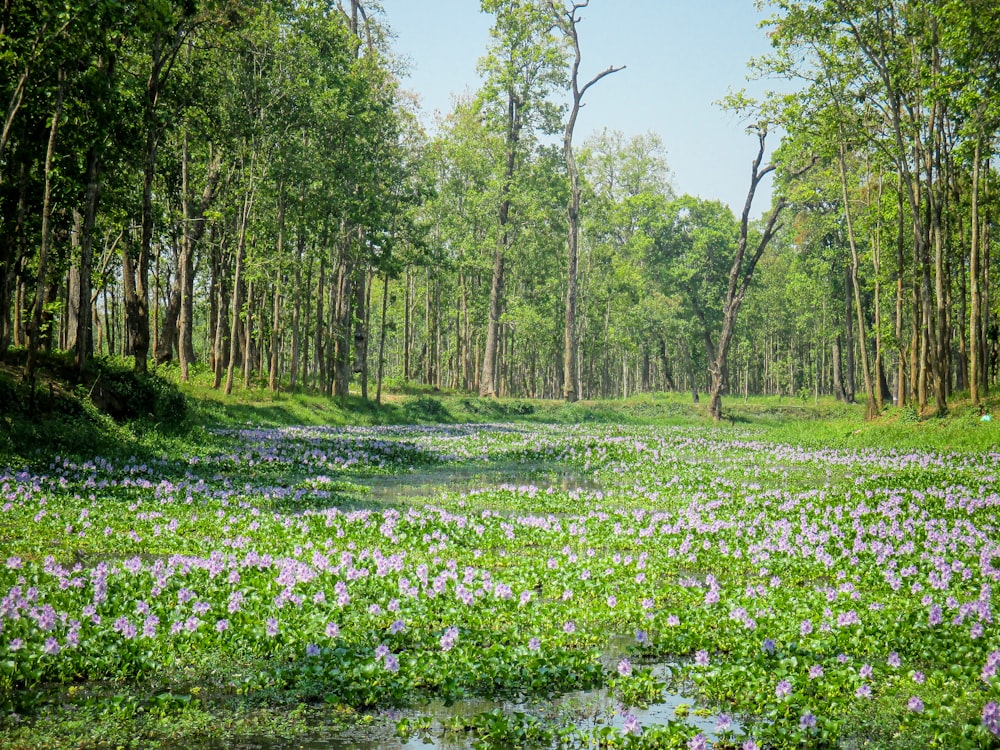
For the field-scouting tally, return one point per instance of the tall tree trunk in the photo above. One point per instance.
(194, 230)
(381, 338)
(571, 345)
(83, 337)
(234, 326)
(740, 275)
(871, 400)
(974, 304)
(35, 330)
(487, 380)
(293, 373)
(272, 379)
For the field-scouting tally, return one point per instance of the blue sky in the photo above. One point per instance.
(681, 56)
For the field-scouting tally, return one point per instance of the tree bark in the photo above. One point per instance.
(740, 275)
(35, 329)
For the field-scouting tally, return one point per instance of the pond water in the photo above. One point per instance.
(585, 709)
(431, 482)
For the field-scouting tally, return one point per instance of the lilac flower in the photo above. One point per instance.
(815, 672)
(893, 660)
(271, 627)
(806, 627)
(222, 626)
(312, 649)
(723, 723)
(865, 672)
(391, 663)
(381, 651)
(570, 627)
(396, 627)
(919, 677)
(534, 644)
(934, 617)
(915, 704)
(990, 668)
(125, 628)
(863, 691)
(449, 638)
(991, 718)
(701, 658)
(698, 742)
(631, 724)
(783, 689)
(16, 645)
(51, 646)
(641, 638)
(332, 630)
(612, 601)
(673, 621)
(625, 668)
(750, 745)
(768, 646)
(808, 721)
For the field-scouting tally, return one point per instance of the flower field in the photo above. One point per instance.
(807, 598)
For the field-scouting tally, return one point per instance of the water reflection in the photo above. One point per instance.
(465, 479)
(585, 709)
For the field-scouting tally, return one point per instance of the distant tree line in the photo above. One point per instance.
(245, 190)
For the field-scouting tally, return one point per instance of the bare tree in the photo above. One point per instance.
(567, 19)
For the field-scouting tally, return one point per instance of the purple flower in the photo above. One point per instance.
(631, 724)
(625, 668)
(893, 660)
(701, 658)
(396, 627)
(125, 627)
(991, 718)
(750, 745)
(271, 627)
(768, 645)
(673, 620)
(863, 691)
(312, 649)
(723, 723)
(332, 630)
(866, 671)
(698, 742)
(391, 663)
(449, 638)
(808, 721)
(641, 638)
(783, 689)
(919, 677)
(815, 672)
(51, 646)
(915, 704)
(534, 644)
(221, 626)
(806, 627)
(16, 645)
(570, 627)
(934, 616)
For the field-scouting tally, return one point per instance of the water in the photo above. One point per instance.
(426, 483)
(585, 709)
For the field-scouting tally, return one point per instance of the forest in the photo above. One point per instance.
(246, 190)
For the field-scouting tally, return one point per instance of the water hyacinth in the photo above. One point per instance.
(697, 543)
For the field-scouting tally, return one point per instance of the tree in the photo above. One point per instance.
(568, 18)
(522, 65)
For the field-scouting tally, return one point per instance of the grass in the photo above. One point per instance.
(108, 411)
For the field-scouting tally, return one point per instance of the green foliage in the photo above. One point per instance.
(426, 409)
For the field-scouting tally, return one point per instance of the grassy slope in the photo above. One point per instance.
(66, 421)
